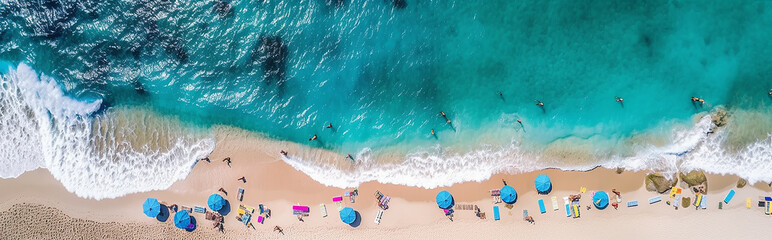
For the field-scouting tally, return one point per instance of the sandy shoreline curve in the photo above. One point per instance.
(412, 214)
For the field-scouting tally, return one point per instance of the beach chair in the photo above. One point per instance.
(323, 209)
(378, 195)
(729, 196)
(199, 209)
(384, 202)
(748, 203)
(496, 194)
(378, 216)
(568, 210)
(542, 209)
(240, 195)
(554, 203)
(632, 203)
(338, 201)
(245, 218)
(496, 215)
(655, 200)
(582, 189)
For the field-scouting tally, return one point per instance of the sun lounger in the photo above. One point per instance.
(384, 202)
(554, 203)
(240, 195)
(655, 200)
(378, 216)
(632, 203)
(323, 209)
(199, 209)
(729, 196)
(496, 215)
(542, 209)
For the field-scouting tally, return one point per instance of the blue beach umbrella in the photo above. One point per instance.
(182, 219)
(508, 194)
(543, 184)
(215, 202)
(600, 199)
(151, 207)
(444, 200)
(348, 215)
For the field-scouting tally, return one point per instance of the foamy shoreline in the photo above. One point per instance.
(413, 213)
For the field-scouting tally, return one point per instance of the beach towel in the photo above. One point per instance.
(554, 203)
(655, 200)
(704, 202)
(525, 213)
(729, 196)
(698, 200)
(576, 211)
(378, 216)
(565, 200)
(541, 206)
(240, 195)
(301, 208)
(199, 209)
(768, 208)
(323, 209)
(496, 215)
(632, 203)
(674, 191)
(568, 210)
(748, 203)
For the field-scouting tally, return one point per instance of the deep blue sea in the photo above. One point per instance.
(381, 71)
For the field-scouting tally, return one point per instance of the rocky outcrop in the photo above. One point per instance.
(696, 180)
(656, 182)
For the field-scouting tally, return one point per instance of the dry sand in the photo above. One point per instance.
(36, 206)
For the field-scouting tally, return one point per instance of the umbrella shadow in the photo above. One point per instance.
(164, 214)
(226, 208)
(546, 192)
(357, 221)
(192, 226)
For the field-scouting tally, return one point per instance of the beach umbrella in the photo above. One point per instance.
(600, 199)
(215, 202)
(182, 219)
(444, 200)
(348, 215)
(151, 207)
(543, 184)
(508, 194)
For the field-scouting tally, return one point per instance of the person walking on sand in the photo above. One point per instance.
(223, 191)
(227, 160)
(277, 228)
(350, 157)
(243, 179)
(312, 138)
(284, 153)
(206, 159)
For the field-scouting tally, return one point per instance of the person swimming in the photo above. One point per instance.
(350, 157)
(445, 116)
(770, 93)
(619, 99)
(329, 126)
(695, 99)
(432, 131)
(312, 138)
(539, 103)
(520, 122)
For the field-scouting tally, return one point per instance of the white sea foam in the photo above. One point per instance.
(690, 148)
(108, 155)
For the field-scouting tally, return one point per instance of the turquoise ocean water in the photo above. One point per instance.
(381, 71)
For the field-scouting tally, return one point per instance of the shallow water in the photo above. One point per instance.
(381, 72)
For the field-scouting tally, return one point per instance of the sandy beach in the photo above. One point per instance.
(37, 206)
